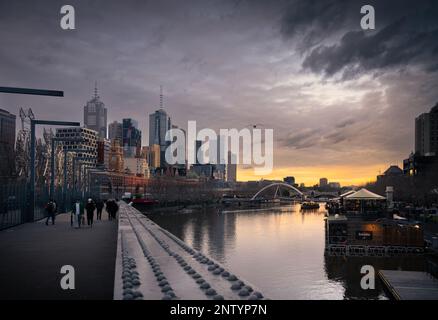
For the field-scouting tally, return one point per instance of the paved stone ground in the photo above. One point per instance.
(31, 257)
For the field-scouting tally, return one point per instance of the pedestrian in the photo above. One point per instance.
(78, 211)
(116, 208)
(99, 207)
(112, 207)
(90, 211)
(50, 209)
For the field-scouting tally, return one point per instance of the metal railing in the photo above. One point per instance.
(15, 203)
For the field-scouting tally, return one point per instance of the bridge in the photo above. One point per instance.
(277, 186)
(315, 194)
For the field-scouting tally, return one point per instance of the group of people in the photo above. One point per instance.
(80, 211)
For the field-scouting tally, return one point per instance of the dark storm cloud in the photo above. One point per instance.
(302, 139)
(406, 34)
(345, 123)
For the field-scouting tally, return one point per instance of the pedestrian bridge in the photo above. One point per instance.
(277, 186)
(154, 264)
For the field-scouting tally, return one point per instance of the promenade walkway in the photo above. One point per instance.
(32, 254)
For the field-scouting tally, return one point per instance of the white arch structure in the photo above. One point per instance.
(277, 184)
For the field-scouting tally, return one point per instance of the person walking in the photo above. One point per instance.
(90, 211)
(116, 209)
(99, 208)
(78, 212)
(112, 207)
(51, 210)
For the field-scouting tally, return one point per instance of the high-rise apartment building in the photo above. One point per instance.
(426, 133)
(89, 142)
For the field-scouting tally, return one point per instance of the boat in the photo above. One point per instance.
(309, 206)
(142, 202)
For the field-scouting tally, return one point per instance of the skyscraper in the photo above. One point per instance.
(131, 138)
(159, 124)
(7, 143)
(426, 133)
(95, 115)
(115, 131)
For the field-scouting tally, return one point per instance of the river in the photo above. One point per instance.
(281, 251)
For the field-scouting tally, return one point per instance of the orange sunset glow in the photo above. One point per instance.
(309, 175)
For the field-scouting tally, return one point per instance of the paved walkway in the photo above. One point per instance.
(31, 257)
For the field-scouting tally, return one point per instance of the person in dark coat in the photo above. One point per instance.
(99, 208)
(89, 207)
(51, 211)
(112, 207)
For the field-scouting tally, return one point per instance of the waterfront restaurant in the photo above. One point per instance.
(365, 202)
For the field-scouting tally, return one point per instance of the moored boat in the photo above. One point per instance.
(309, 206)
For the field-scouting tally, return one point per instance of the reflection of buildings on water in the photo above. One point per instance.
(347, 271)
(206, 231)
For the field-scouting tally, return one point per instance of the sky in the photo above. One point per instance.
(341, 101)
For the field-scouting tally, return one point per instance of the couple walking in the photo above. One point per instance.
(90, 206)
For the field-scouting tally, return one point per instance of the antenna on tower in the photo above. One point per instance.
(95, 90)
(161, 97)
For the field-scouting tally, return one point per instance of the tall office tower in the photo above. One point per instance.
(89, 143)
(426, 133)
(131, 138)
(231, 167)
(115, 131)
(159, 124)
(95, 115)
(7, 144)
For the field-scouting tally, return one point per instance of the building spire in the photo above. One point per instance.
(161, 97)
(95, 90)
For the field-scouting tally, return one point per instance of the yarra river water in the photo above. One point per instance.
(281, 251)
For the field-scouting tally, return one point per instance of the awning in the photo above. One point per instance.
(364, 194)
(347, 193)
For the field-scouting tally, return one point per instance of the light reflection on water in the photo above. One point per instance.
(279, 250)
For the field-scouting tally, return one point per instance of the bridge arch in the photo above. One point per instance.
(277, 184)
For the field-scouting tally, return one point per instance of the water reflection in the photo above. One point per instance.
(281, 251)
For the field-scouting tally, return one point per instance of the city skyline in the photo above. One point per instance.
(344, 119)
